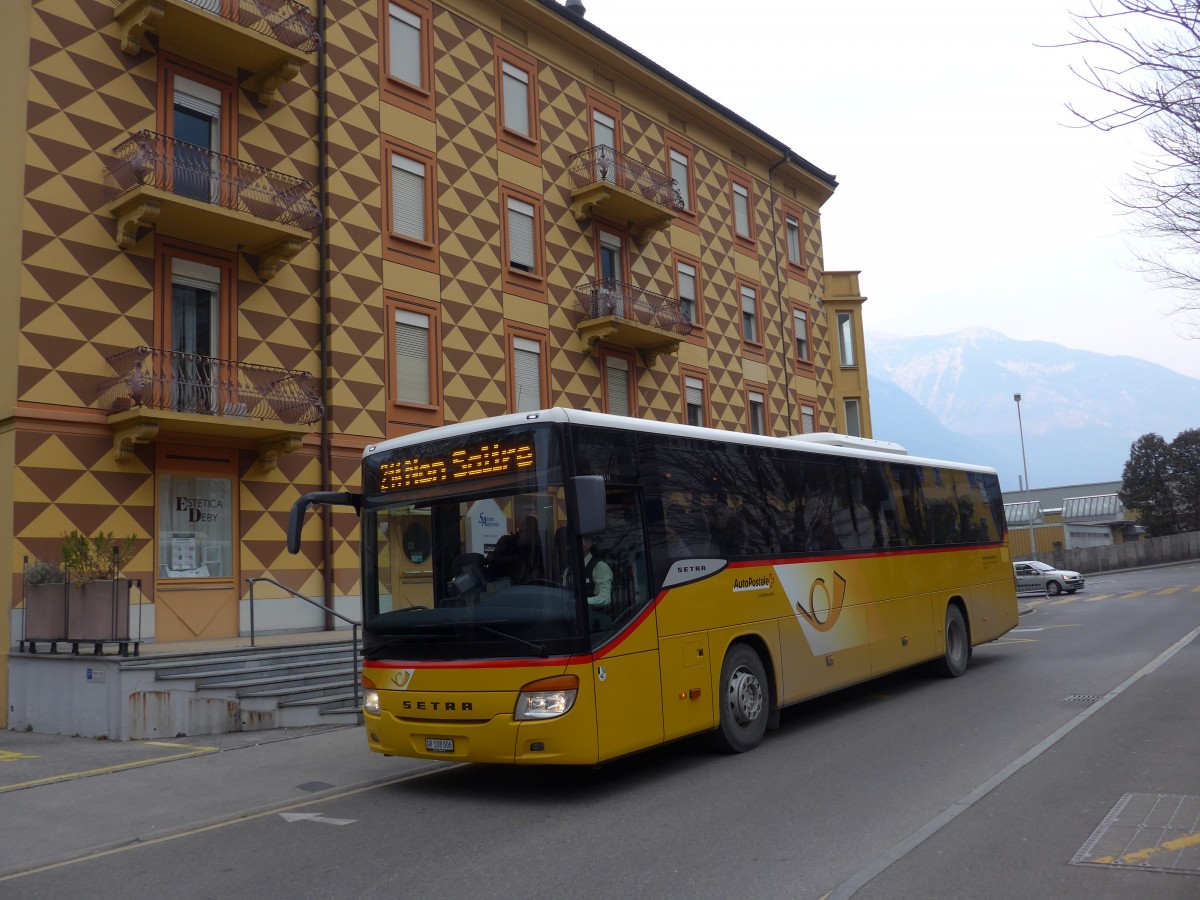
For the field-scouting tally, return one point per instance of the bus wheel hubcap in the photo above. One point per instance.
(745, 696)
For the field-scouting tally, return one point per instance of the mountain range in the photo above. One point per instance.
(951, 397)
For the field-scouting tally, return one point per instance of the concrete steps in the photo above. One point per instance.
(246, 689)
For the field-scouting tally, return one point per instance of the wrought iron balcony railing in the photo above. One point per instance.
(188, 170)
(609, 297)
(599, 165)
(286, 21)
(167, 380)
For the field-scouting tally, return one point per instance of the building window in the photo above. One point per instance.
(517, 107)
(415, 370)
(742, 193)
(756, 406)
(410, 222)
(618, 384)
(522, 243)
(853, 422)
(808, 417)
(845, 330)
(695, 396)
(198, 111)
(793, 240)
(405, 72)
(681, 166)
(803, 337)
(793, 219)
(195, 321)
(750, 315)
(528, 352)
(686, 284)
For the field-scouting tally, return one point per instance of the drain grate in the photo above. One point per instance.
(1148, 832)
(1084, 698)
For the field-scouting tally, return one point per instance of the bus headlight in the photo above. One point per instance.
(371, 702)
(547, 698)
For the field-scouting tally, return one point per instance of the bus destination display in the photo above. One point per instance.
(458, 466)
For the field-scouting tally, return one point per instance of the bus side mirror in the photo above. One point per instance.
(589, 513)
(300, 507)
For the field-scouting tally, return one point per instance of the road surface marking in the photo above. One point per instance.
(1097, 597)
(1133, 594)
(10, 755)
(859, 879)
(68, 776)
(1062, 601)
(1171, 590)
(1138, 857)
(315, 817)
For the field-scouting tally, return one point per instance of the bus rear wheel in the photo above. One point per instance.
(958, 644)
(744, 701)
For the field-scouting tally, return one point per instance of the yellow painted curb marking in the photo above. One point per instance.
(1140, 856)
(191, 751)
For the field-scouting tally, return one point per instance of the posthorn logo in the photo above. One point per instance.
(402, 677)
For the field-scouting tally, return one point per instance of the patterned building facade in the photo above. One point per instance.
(447, 210)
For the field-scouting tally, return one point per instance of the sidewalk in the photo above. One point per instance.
(65, 797)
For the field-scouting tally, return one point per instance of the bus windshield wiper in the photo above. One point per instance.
(541, 650)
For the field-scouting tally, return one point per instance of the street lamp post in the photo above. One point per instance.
(1025, 466)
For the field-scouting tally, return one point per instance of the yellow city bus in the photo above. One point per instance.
(568, 587)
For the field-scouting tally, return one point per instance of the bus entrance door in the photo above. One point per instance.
(411, 546)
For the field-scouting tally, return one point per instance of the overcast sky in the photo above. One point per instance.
(964, 198)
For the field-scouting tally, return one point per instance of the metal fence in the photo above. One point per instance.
(204, 385)
(195, 172)
(609, 297)
(603, 164)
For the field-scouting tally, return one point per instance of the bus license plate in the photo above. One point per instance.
(439, 745)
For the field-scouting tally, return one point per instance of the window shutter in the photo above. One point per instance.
(520, 236)
(404, 45)
(757, 426)
(408, 197)
(679, 171)
(516, 99)
(800, 322)
(687, 291)
(527, 372)
(808, 420)
(741, 210)
(616, 375)
(749, 315)
(412, 357)
(793, 241)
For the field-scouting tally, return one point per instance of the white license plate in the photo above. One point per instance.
(439, 745)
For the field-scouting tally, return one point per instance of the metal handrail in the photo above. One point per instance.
(287, 21)
(354, 626)
(205, 385)
(198, 173)
(600, 165)
(609, 297)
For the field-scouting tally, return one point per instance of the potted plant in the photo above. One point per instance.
(45, 602)
(98, 603)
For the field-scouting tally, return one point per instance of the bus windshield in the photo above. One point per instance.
(465, 551)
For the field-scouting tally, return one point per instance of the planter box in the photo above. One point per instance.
(46, 612)
(99, 611)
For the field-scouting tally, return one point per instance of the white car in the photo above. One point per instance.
(1037, 577)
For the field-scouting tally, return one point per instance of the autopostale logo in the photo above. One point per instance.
(402, 678)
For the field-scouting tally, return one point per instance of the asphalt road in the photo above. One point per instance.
(1012, 781)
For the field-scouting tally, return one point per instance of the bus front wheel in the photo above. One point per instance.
(744, 701)
(958, 644)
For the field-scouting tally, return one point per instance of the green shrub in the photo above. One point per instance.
(95, 558)
(44, 573)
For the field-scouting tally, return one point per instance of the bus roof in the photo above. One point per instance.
(823, 442)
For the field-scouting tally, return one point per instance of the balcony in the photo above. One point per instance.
(629, 316)
(192, 192)
(271, 38)
(185, 393)
(612, 185)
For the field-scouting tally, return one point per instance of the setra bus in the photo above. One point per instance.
(570, 587)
